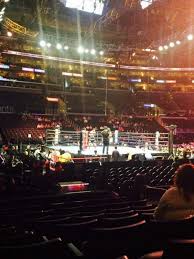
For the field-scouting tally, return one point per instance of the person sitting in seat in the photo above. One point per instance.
(178, 201)
(65, 157)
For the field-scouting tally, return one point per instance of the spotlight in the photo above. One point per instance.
(6, 1)
(80, 49)
(93, 51)
(172, 44)
(160, 48)
(190, 37)
(101, 53)
(59, 46)
(9, 34)
(48, 44)
(2, 10)
(86, 50)
(66, 47)
(42, 43)
(165, 47)
(154, 57)
(178, 42)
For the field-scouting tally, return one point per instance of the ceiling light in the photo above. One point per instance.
(42, 43)
(190, 37)
(9, 34)
(80, 49)
(172, 44)
(59, 46)
(93, 51)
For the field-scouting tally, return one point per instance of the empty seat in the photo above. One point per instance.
(45, 249)
(174, 249)
(119, 221)
(110, 242)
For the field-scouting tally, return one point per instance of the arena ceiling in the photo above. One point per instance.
(160, 19)
(142, 24)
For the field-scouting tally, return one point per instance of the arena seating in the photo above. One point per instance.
(15, 128)
(90, 224)
(184, 124)
(77, 66)
(123, 123)
(25, 135)
(113, 218)
(120, 177)
(124, 178)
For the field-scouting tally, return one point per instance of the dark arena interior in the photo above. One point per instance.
(97, 129)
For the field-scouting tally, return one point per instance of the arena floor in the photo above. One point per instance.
(123, 150)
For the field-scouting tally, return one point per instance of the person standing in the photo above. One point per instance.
(106, 134)
(115, 155)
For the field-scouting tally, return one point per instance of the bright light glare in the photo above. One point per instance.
(190, 37)
(80, 49)
(42, 43)
(101, 53)
(59, 46)
(160, 48)
(93, 52)
(6, 1)
(154, 57)
(178, 42)
(90, 6)
(9, 34)
(165, 47)
(66, 47)
(172, 44)
(48, 45)
(86, 50)
(145, 3)
(2, 11)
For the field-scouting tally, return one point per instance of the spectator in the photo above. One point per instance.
(115, 155)
(106, 134)
(178, 202)
(65, 157)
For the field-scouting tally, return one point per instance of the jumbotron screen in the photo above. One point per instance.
(90, 6)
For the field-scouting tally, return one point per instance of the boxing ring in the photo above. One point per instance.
(91, 143)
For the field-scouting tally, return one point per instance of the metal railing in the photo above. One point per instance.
(77, 138)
